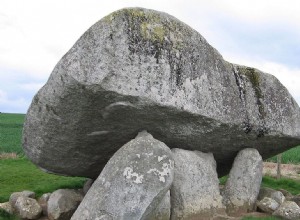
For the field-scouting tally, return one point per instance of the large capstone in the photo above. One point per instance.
(138, 69)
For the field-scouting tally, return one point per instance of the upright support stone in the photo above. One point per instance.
(132, 184)
(163, 210)
(242, 187)
(195, 191)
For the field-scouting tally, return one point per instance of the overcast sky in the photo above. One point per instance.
(35, 34)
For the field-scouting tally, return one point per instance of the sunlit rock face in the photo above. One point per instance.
(138, 69)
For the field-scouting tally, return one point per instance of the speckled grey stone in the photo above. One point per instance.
(195, 191)
(278, 197)
(163, 210)
(133, 183)
(14, 196)
(288, 210)
(62, 204)
(268, 205)
(139, 69)
(27, 208)
(242, 187)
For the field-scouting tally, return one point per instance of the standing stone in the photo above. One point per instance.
(195, 190)
(163, 210)
(288, 210)
(63, 203)
(27, 208)
(132, 184)
(138, 69)
(242, 187)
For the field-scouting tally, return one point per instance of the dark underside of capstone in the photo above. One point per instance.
(139, 69)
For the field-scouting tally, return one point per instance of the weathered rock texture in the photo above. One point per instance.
(163, 210)
(62, 204)
(268, 205)
(27, 208)
(14, 196)
(132, 184)
(242, 187)
(288, 210)
(195, 191)
(139, 69)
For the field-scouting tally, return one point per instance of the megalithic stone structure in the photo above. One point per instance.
(138, 69)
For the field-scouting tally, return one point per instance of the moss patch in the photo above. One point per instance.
(254, 78)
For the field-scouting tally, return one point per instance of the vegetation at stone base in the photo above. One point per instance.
(6, 216)
(11, 126)
(263, 218)
(20, 174)
(293, 186)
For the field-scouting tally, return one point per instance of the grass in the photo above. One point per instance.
(290, 156)
(17, 173)
(262, 218)
(293, 186)
(11, 132)
(20, 174)
(6, 216)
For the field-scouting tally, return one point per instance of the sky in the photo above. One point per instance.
(35, 34)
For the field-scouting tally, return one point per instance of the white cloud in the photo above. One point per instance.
(3, 95)
(18, 105)
(31, 86)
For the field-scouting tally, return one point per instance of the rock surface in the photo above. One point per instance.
(288, 210)
(14, 196)
(242, 187)
(6, 206)
(295, 199)
(43, 201)
(27, 208)
(278, 197)
(62, 204)
(132, 184)
(139, 69)
(265, 192)
(195, 190)
(87, 185)
(163, 210)
(268, 205)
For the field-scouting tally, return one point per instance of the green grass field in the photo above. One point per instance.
(290, 156)
(11, 132)
(20, 174)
